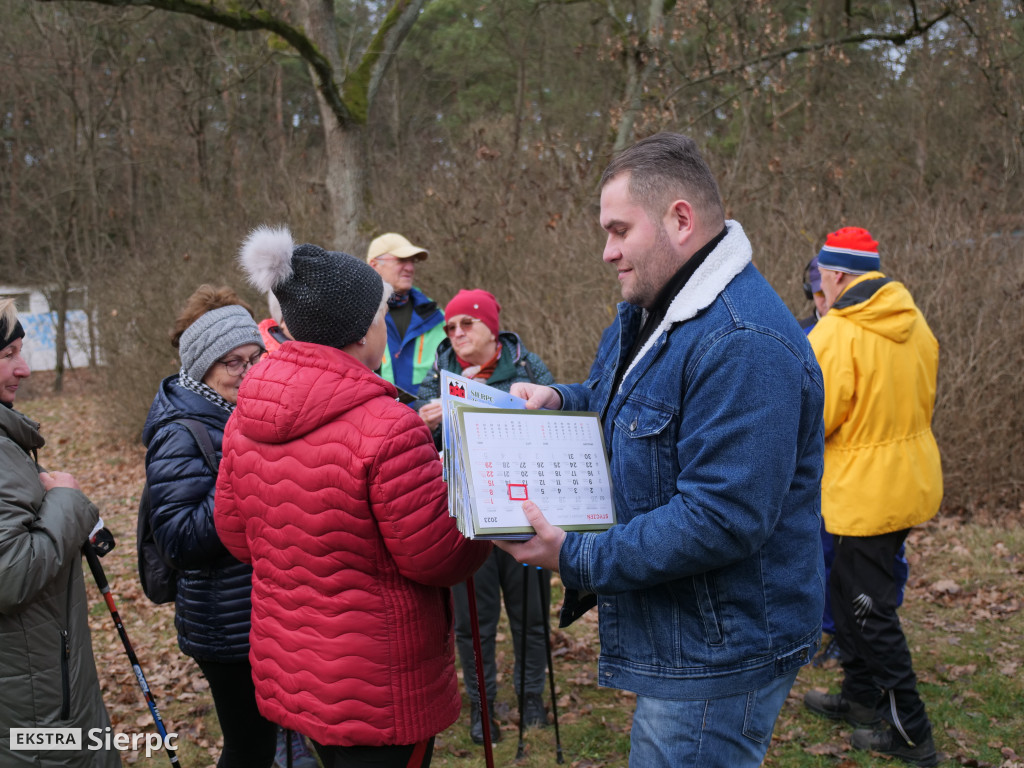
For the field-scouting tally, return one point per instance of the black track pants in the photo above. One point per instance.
(873, 650)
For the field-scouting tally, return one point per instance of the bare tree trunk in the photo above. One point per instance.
(90, 311)
(634, 86)
(202, 158)
(345, 177)
(641, 61)
(520, 107)
(14, 167)
(923, 116)
(282, 131)
(131, 177)
(396, 116)
(58, 301)
(345, 153)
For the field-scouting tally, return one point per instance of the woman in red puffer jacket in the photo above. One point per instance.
(332, 490)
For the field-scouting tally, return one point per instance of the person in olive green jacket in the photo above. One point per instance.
(47, 671)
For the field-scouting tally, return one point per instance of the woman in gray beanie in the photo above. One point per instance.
(218, 342)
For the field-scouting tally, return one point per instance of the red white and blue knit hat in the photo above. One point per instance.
(851, 250)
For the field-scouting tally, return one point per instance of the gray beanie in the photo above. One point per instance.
(213, 335)
(326, 297)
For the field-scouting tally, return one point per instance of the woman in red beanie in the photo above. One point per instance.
(478, 349)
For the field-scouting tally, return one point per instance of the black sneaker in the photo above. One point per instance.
(887, 741)
(835, 707)
(534, 713)
(476, 724)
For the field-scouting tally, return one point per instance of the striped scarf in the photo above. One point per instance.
(187, 382)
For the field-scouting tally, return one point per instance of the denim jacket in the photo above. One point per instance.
(712, 583)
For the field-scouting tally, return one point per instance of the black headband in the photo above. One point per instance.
(16, 333)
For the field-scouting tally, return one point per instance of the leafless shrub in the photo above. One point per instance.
(966, 273)
(523, 227)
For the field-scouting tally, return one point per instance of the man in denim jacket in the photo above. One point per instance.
(710, 589)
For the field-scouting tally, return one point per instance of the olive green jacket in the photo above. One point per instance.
(47, 672)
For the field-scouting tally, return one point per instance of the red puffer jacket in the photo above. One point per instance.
(333, 491)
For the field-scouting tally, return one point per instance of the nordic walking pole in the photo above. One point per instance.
(481, 685)
(551, 670)
(520, 750)
(101, 582)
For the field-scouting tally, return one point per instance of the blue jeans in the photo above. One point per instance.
(730, 732)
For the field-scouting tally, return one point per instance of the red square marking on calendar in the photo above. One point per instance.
(517, 492)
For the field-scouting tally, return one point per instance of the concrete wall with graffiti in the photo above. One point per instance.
(40, 348)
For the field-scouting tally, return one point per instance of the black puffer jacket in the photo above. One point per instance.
(212, 607)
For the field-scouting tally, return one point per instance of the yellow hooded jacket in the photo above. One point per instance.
(879, 360)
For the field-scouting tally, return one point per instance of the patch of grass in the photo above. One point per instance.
(963, 620)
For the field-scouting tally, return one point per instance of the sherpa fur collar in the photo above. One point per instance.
(719, 268)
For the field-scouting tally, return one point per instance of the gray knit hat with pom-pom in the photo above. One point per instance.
(326, 297)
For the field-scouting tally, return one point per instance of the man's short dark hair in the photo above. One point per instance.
(666, 167)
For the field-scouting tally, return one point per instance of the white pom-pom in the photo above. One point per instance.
(266, 256)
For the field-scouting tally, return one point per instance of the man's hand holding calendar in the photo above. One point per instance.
(542, 550)
(537, 396)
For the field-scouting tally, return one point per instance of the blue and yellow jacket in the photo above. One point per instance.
(407, 360)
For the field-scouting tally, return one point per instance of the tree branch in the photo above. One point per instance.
(915, 30)
(242, 20)
(385, 44)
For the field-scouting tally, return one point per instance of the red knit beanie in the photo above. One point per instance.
(477, 303)
(850, 249)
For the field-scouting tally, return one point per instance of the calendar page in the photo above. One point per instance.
(553, 458)
(458, 390)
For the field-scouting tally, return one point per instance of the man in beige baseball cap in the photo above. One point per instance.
(415, 322)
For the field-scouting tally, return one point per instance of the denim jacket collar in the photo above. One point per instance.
(710, 279)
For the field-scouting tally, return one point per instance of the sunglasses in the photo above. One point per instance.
(465, 324)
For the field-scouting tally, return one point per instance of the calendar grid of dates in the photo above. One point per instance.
(552, 458)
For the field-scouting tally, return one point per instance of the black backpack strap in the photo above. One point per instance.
(202, 438)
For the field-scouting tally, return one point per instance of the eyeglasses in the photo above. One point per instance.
(237, 365)
(465, 324)
(414, 259)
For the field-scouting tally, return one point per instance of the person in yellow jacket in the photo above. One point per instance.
(882, 476)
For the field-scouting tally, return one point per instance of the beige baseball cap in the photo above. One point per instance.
(396, 245)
